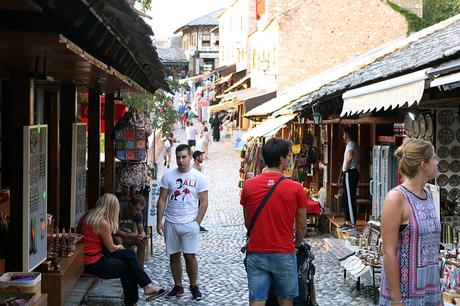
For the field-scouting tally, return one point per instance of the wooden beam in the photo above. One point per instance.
(94, 166)
(109, 145)
(16, 114)
(52, 112)
(68, 103)
(363, 120)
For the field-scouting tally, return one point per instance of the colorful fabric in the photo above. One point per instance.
(273, 230)
(417, 252)
(134, 175)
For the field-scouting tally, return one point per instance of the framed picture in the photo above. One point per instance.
(34, 187)
(78, 173)
(374, 238)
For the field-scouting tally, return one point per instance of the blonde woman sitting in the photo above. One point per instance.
(106, 260)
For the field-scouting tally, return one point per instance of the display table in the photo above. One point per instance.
(42, 300)
(313, 207)
(59, 284)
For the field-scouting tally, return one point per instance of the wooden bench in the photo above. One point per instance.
(59, 284)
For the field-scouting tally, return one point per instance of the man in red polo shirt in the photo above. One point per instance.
(279, 229)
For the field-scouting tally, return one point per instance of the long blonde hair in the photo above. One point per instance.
(108, 208)
(411, 154)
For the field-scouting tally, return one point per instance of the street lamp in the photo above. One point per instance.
(317, 118)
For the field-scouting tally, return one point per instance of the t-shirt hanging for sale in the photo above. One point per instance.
(183, 194)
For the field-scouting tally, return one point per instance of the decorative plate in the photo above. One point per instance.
(454, 180)
(443, 152)
(421, 126)
(429, 126)
(442, 180)
(446, 118)
(455, 152)
(444, 193)
(443, 166)
(455, 166)
(446, 136)
(454, 193)
(408, 126)
(457, 136)
(415, 130)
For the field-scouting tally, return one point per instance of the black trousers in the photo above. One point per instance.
(350, 184)
(122, 264)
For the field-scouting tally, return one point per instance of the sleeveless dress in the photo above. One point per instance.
(417, 252)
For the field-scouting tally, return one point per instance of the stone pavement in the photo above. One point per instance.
(222, 278)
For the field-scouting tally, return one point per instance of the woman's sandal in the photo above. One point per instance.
(155, 295)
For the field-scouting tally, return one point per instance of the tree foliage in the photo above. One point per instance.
(158, 106)
(434, 11)
(145, 5)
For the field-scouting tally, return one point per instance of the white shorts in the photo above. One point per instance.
(182, 237)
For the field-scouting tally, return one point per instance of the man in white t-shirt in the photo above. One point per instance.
(181, 190)
(190, 133)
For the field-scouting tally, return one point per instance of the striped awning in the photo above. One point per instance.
(386, 95)
(225, 105)
(269, 127)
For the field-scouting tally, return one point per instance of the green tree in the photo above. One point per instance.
(434, 11)
(158, 106)
(145, 5)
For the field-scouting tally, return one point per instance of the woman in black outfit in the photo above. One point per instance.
(215, 125)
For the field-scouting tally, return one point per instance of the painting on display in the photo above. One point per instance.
(35, 176)
(153, 199)
(78, 182)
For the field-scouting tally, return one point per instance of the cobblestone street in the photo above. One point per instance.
(222, 278)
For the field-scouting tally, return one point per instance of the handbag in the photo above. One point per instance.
(256, 214)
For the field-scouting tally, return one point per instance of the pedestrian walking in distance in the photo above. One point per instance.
(180, 191)
(106, 260)
(168, 143)
(216, 125)
(190, 133)
(271, 256)
(411, 231)
(205, 140)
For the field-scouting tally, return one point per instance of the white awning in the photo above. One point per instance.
(390, 94)
(247, 77)
(269, 127)
(224, 105)
(447, 79)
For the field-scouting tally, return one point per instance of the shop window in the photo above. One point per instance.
(206, 39)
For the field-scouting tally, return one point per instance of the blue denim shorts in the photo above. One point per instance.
(278, 269)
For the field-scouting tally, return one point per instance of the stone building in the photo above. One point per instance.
(294, 40)
(200, 41)
(173, 58)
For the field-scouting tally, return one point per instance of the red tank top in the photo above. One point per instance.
(92, 243)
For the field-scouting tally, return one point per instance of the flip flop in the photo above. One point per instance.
(155, 295)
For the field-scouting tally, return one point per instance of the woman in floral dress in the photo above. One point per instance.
(411, 231)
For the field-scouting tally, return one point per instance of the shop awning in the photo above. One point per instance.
(446, 79)
(243, 94)
(390, 94)
(223, 79)
(223, 106)
(269, 127)
(238, 83)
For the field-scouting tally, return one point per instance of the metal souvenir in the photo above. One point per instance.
(455, 152)
(446, 136)
(446, 118)
(408, 126)
(455, 166)
(421, 126)
(443, 166)
(444, 193)
(454, 180)
(415, 130)
(454, 193)
(443, 152)
(442, 180)
(429, 127)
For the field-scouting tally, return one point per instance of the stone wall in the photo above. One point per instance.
(317, 34)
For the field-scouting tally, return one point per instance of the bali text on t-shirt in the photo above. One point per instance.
(183, 194)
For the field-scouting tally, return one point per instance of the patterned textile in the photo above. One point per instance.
(418, 251)
(133, 175)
